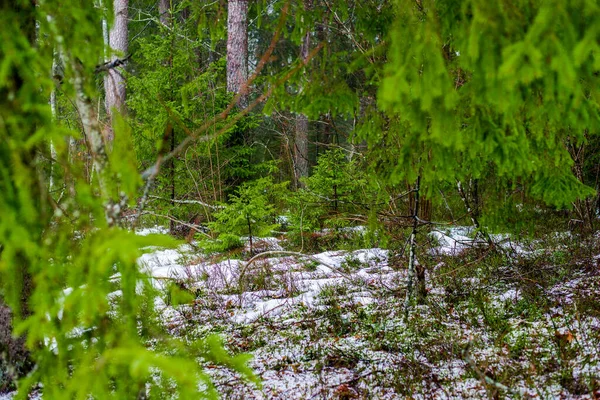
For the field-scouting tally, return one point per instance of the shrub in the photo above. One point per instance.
(250, 211)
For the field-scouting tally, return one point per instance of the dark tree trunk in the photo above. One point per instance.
(250, 234)
(415, 282)
(301, 148)
(14, 357)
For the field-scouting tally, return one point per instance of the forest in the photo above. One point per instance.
(299, 199)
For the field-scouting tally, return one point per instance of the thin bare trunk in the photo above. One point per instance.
(473, 216)
(475, 199)
(237, 49)
(165, 18)
(249, 222)
(54, 110)
(301, 148)
(412, 258)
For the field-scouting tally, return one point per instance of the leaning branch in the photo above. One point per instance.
(111, 64)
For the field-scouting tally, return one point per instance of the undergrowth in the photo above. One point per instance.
(495, 324)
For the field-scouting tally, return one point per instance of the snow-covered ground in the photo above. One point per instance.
(332, 326)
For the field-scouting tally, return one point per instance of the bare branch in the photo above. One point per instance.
(112, 64)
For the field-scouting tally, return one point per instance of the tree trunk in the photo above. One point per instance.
(237, 50)
(54, 110)
(301, 148)
(14, 357)
(164, 12)
(250, 234)
(301, 134)
(164, 9)
(473, 216)
(114, 84)
(301, 139)
(413, 271)
(96, 146)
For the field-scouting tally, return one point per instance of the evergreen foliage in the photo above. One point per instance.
(471, 84)
(333, 195)
(250, 211)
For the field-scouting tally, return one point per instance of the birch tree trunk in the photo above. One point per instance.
(96, 145)
(301, 134)
(237, 49)
(114, 84)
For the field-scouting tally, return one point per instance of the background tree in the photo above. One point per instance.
(237, 49)
(301, 134)
(114, 82)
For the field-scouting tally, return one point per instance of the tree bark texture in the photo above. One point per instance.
(164, 12)
(14, 357)
(237, 49)
(114, 83)
(301, 136)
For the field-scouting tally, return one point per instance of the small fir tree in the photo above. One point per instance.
(250, 211)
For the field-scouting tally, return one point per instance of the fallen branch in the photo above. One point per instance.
(484, 378)
(197, 228)
(188, 202)
(291, 253)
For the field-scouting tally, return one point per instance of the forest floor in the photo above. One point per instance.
(520, 321)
